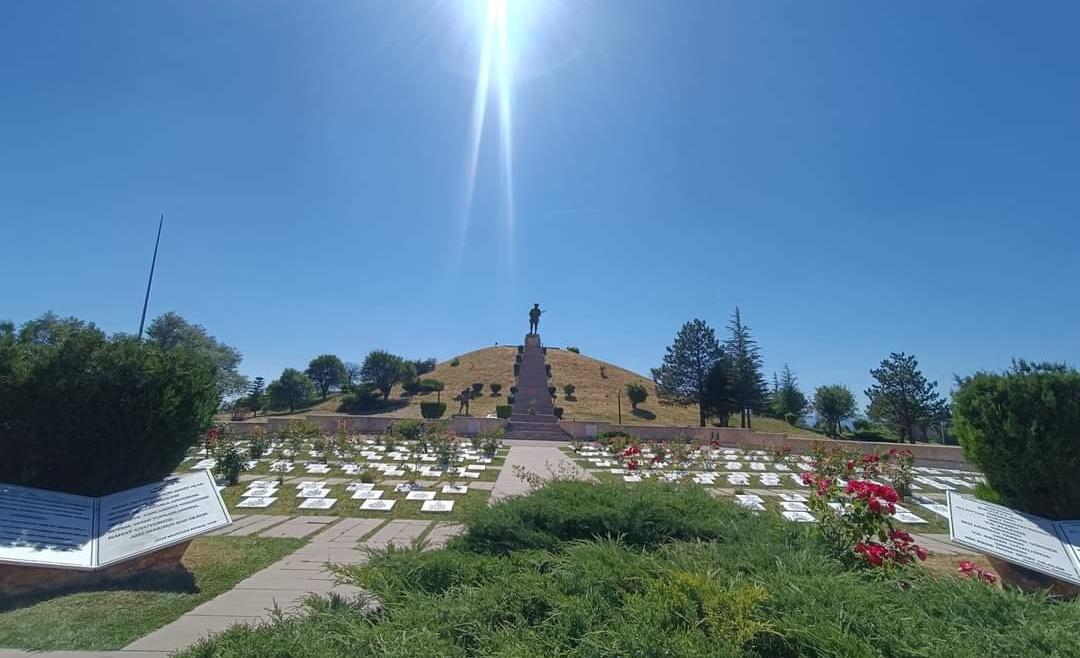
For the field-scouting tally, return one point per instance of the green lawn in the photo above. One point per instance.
(112, 619)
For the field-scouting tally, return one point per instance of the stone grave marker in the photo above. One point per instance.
(437, 506)
(377, 505)
(318, 503)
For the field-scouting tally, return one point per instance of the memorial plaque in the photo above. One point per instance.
(1069, 531)
(366, 494)
(317, 503)
(313, 493)
(908, 517)
(455, 489)
(794, 507)
(801, 517)
(46, 528)
(793, 497)
(437, 506)
(1022, 539)
(420, 495)
(152, 517)
(631, 478)
(257, 502)
(378, 505)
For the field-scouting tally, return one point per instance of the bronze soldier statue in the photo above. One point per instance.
(463, 400)
(534, 319)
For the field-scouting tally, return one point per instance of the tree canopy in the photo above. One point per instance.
(90, 414)
(327, 372)
(291, 390)
(834, 404)
(788, 401)
(682, 374)
(748, 386)
(171, 330)
(384, 370)
(902, 398)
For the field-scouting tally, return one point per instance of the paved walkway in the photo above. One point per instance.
(541, 458)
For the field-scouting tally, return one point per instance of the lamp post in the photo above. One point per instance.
(618, 398)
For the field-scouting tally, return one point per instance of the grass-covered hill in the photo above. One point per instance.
(598, 385)
(592, 570)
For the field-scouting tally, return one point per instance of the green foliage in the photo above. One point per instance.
(431, 385)
(551, 391)
(637, 392)
(584, 570)
(258, 443)
(170, 330)
(558, 412)
(423, 366)
(1022, 428)
(477, 389)
(290, 391)
(834, 404)
(788, 401)
(256, 397)
(568, 390)
(327, 372)
(455, 362)
(230, 462)
(547, 369)
(409, 430)
(681, 377)
(718, 398)
(369, 475)
(84, 413)
(510, 399)
(490, 440)
(513, 390)
(517, 369)
(748, 389)
(495, 387)
(504, 410)
(573, 349)
(384, 370)
(360, 398)
(432, 409)
(903, 398)
(411, 386)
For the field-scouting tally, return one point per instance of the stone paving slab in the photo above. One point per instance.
(238, 521)
(347, 531)
(301, 526)
(442, 533)
(398, 532)
(259, 523)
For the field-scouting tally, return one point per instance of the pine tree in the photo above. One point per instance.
(788, 401)
(903, 398)
(681, 377)
(256, 396)
(748, 386)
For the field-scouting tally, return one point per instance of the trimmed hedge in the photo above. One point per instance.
(432, 409)
(495, 387)
(558, 412)
(504, 410)
(1022, 428)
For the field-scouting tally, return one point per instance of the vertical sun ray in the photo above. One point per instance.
(506, 126)
(476, 128)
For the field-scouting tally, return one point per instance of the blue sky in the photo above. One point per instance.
(859, 177)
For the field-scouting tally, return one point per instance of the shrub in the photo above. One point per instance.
(558, 412)
(547, 369)
(412, 386)
(431, 385)
(504, 410)
(1021, 428)
(361, 398)
(569, 391)
(637, 393)
(230, 462)
(520, 349)
(511, 399)
(551, 391)
(409, 430)
(88, 414)
(573, 349)
(495, 387)
(258, 443)
(432, 409)
(517, 369)
(477, 388)
(455, 362)
(369, 475)
(513, 390)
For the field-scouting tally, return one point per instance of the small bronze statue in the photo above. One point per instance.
(534, 319)
(463, 400)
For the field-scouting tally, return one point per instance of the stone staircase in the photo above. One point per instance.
(534, 412)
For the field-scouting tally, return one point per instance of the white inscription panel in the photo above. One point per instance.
(157, 515)
(1029, 541)
(46, 528)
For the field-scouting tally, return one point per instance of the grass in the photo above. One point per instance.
(597, 383)
(580, 569)
(113, 618)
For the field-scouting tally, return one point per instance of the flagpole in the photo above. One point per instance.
(150, 281)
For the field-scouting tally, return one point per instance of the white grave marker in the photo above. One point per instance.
(437, 506)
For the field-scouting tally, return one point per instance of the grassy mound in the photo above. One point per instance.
(581, 569)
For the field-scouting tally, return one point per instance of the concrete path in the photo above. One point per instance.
(541, 458)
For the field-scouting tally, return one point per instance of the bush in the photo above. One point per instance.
(573, 349)
(558, 412)
(431, 385)
(551, 391)
(517, 369)
(230, 463)
(361, 398)
(511, 399)
(258, 443)
(432, 409)
(504, 410)
(513, 390)
(88, 414)
(547, 369)
(1022, 429)
(637, 393)
(412, 386)
(477, 389)
(455, 362)
(569, 391)
(409, 430)
(495, 387)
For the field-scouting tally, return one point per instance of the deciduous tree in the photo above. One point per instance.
(384, 370)
(171, 330)
(327, 372)
(834, 404)
(290, 390)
